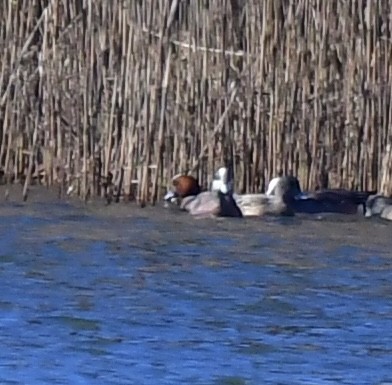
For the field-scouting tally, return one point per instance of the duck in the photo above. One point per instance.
(277, 201)
(378, 204)
(326, 200)
(217, 202)
(183, 186)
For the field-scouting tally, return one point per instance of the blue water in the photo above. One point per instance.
(132, 296)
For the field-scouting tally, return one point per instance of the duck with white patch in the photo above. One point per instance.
(218, 202)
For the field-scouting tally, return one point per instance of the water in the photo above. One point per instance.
(121, 295)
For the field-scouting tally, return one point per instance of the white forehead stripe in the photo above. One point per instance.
(272, 185)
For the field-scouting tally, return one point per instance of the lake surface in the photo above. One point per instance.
(91, 294)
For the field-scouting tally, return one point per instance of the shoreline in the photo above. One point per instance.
(120, 220)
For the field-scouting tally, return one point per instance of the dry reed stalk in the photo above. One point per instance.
(143, 92)
(31, 162)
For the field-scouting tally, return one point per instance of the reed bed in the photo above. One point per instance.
(124, 94)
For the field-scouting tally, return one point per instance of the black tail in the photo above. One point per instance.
(228, 206)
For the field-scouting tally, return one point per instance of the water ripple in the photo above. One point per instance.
(88, 298)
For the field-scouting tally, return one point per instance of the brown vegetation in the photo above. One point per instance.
(144, 89)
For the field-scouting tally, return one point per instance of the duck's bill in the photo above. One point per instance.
(170, 196)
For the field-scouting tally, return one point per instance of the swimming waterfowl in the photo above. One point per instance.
(216, 202)
(326, 200)
(278, 201)
(376, 205)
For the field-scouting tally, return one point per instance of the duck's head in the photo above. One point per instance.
(287, 188)
(272, 186)
(183, 186)
(284, 185)
(223, 181)
(375, 204)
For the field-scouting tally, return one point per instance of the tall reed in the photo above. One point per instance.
(143, 90)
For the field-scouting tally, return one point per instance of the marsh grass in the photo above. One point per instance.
(137, 91)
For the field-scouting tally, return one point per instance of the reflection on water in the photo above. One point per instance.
(118, 295)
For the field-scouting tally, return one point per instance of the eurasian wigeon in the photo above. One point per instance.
(216, 202)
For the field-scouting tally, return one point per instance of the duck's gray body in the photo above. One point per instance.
(277, 202)
(256, 205)
(211, 203)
